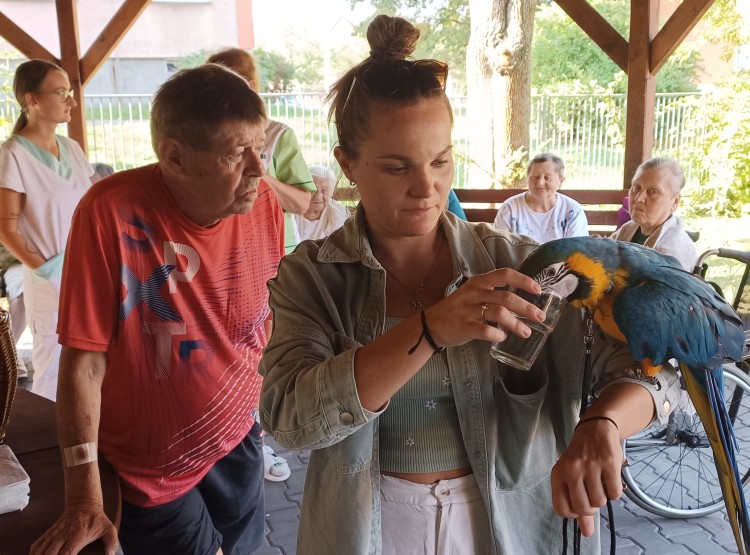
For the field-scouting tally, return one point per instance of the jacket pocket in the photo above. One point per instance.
(526, 446)
(354, 453)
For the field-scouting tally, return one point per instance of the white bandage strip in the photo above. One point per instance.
(80, 454)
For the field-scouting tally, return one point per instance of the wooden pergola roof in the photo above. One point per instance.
(80, 68)
(640, 57)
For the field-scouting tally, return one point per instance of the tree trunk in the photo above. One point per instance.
(498, 71)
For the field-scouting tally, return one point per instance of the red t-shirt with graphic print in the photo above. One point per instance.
(180, 310)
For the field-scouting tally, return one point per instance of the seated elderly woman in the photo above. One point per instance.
(324, 215)
(541, 212)
(653, 198)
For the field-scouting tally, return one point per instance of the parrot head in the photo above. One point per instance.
(582, 269)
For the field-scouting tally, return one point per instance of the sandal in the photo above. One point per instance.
(276, 468)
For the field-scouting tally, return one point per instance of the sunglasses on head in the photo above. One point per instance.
(393, 79)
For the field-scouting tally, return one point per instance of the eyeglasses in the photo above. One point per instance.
(62, 93)
(400, 79)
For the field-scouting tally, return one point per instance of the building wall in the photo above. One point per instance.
(166, 31)
(129, 76)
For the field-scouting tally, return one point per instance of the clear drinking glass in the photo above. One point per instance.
(520, 352)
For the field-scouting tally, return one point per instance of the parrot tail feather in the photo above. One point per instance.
(709, 404)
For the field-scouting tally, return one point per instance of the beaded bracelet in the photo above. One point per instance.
(590, 418)
(426, 335)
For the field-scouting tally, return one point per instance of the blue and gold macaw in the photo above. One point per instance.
(646, 299)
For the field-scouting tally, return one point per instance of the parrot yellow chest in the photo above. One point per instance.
(604, 290)
(603, 317)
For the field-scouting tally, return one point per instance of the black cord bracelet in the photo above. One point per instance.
(426, 335)
(590, 418)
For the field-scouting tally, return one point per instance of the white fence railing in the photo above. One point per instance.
(587, 131)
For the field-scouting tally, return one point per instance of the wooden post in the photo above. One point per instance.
(639, 123)
(67, 24)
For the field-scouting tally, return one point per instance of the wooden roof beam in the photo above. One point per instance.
(110, 37)
(598, 29)
(677, 27)
(23, 42)
(67, 24)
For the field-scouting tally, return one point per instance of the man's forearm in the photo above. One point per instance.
(78, 409)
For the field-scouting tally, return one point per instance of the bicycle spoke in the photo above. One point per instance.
(671, 468)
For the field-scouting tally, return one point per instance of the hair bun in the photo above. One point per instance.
(391, 37)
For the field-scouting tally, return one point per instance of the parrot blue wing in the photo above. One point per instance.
(672, 320)
(666, 313)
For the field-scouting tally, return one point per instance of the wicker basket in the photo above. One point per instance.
(8, 371)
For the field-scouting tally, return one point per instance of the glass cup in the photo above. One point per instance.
(520, 352)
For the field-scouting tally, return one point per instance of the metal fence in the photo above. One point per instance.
(587, 131)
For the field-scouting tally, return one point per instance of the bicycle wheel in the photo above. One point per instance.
(671, 470)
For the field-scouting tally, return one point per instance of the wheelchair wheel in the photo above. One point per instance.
(671, 471)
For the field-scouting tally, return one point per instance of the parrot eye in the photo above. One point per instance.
(551, 271)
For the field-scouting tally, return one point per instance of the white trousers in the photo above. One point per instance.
(14, 287)
(445, 518)
(41, 290)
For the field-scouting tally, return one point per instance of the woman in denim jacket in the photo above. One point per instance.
(379, 358)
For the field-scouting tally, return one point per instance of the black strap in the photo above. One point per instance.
(588, 342)
(585, 389)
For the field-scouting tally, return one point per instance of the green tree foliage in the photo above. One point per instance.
(722, 158)
(725, 26)
(9, 60)
(277, 73)
(307, 58)
(444, 27)
(562, 53)
(194, 59)
(308, 75)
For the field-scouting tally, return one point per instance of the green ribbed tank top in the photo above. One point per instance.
(419, 431)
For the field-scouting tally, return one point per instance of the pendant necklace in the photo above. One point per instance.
(416, 301)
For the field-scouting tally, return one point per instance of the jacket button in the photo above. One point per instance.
(667, 406)
(346, 418)
(467, 383)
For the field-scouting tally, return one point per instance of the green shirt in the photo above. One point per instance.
(288, 166)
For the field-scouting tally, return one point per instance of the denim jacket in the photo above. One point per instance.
(328, 300)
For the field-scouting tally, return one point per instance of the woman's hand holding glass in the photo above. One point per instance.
(484, 308)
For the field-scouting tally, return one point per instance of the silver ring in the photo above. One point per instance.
(484, 307)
